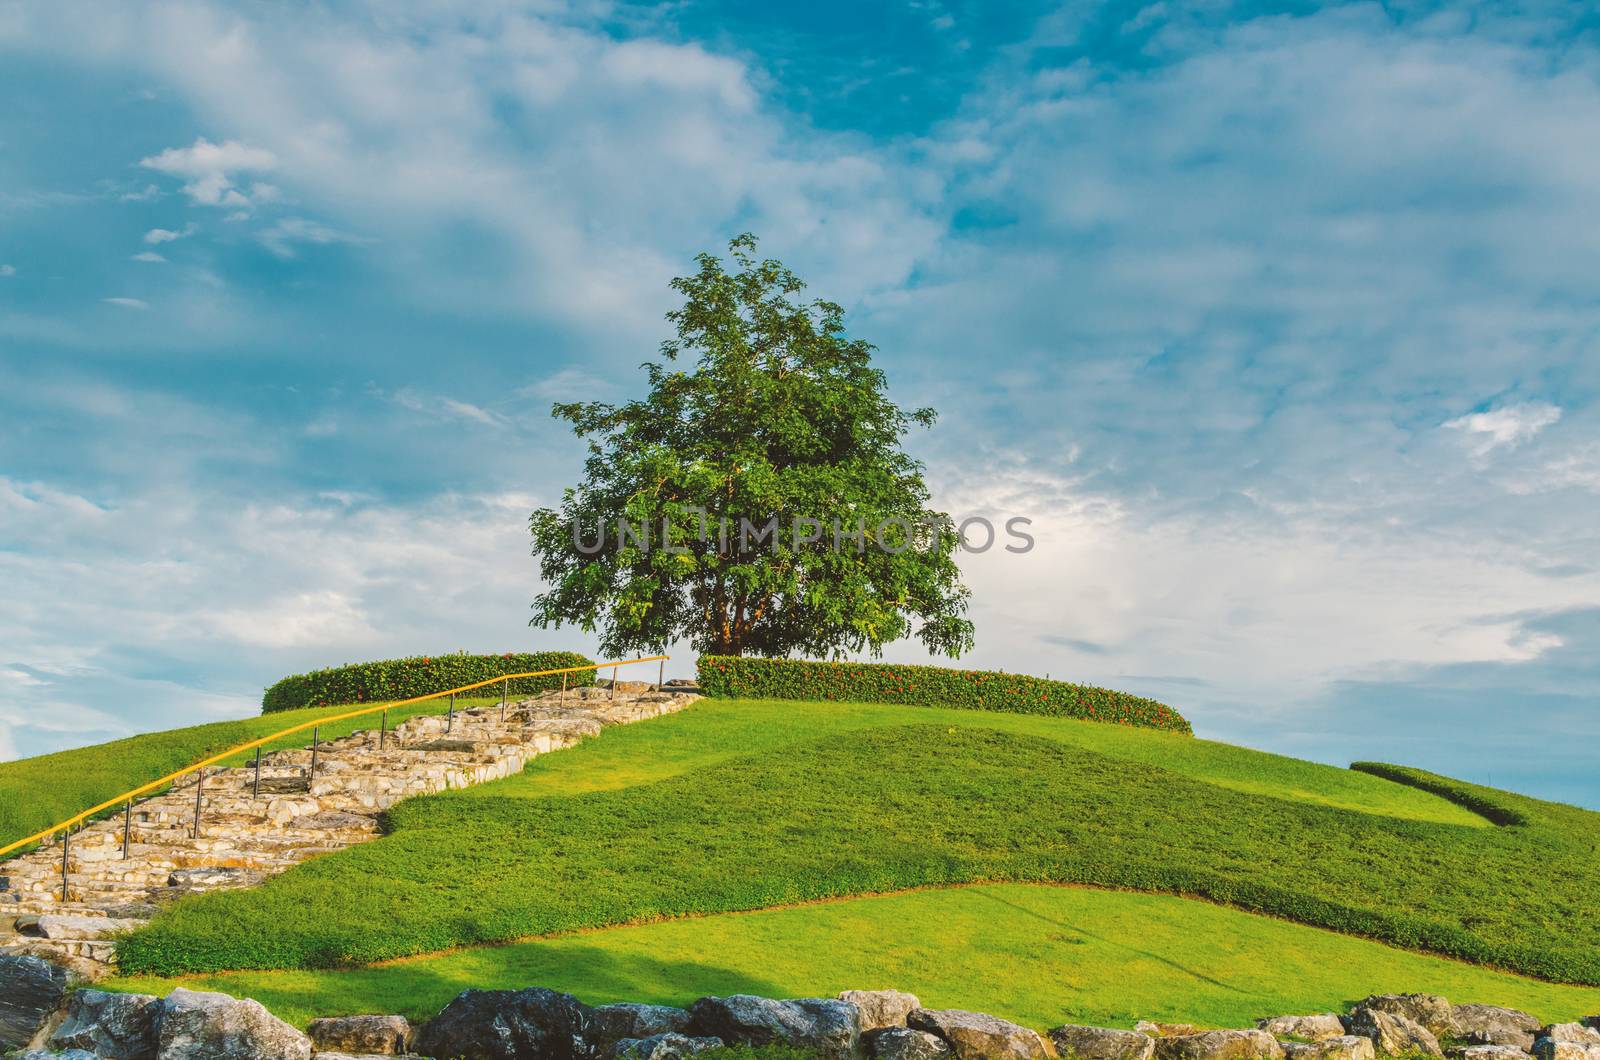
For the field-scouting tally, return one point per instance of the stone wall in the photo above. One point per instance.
(543, 1024)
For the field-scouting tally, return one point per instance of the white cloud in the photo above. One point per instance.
(1505, 427)
(282, 235)
(157, 236)
(8, 270)
(150, 191)
(149, 257)
(127, 303)
(210, 170)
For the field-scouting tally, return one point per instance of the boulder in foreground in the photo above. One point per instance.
(825, 1026)
(976, 1036)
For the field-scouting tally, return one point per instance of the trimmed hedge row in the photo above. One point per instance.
(1483, 802)
(930, 686)
(375, 682)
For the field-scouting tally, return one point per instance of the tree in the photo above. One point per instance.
(759, 502)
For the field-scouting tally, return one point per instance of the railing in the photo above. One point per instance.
(199, 768)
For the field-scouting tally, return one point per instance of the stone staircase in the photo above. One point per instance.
(244, 837)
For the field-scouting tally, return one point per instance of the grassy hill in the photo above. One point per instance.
(745, 805)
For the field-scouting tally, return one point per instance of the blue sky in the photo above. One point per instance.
(1278, 321)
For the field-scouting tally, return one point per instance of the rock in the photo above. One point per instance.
(1342, 1047)
(1101, 1043)
(54, 926)
(1571, 1032)
(903, 1043)
(881, 1008)
(114, 1026)
(975, 1036)
(1429, 1010)
(1591, 1021)
(1486, 1052)
(31, 992)
(508, 1024)
(1553, 1049)
(1220, 1045)
(1318, 1028)
(1493, 1025)
(667, 1046)
(381, 1035)
(194, 1025)
(1393, 1035)
(827, 1027)
(70, 1054)
(612, 1024)
(1163, 1030)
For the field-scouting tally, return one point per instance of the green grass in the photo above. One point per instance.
(717, 731)
(1039, 955)
(35, 793)
(723, 816)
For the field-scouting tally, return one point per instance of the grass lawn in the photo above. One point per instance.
(724, 816)
(1040, 955)
(37, 792)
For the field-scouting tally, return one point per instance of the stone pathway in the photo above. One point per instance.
(244, 838)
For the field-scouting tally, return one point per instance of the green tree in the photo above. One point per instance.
(758, 503)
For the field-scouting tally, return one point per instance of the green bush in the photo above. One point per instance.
(376, 682)
(929, 686)
(1486, 802)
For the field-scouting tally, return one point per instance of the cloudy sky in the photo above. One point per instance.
(1279, 322)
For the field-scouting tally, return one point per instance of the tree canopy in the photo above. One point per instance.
(758, 499)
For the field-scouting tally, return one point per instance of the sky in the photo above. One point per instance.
(1279, 322)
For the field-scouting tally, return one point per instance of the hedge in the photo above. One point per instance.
(1485, 802)
(930, 686)
(376, 682)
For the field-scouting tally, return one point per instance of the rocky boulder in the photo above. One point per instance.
(508, 1025)
(1429, 1010)
(31, 992)
(825, 1026)
(1219, 1045)
(611, 1024)
(668, 1046)
(1553, 1049)
(70, 1054)
(113, 1026)
(903, 1043)
(1391, 1034)
(1343, 1047)
(1317, 1028)
(1579, 1033)
(1164, 1030)
(369, 1035)
(976, 1036)
(881, 1008)
(1493, 1025)
(195, 1025)
(1101, 1043)
(1486, 1052)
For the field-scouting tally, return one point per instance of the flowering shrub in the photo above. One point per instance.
(930, 686)
(374, 682)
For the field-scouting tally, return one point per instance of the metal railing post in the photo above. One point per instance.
(450, 722)
(199, 792)
(614, 671)
(66, 843)
(314, 741)
(255, 785)
(383, 731)
(127, 828)
(563, 690)
(661, 675)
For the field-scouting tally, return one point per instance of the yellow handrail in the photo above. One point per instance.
(129, 796)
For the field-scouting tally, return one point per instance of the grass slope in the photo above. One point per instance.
(1039, 955)
(886, 808)
(35, 793)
